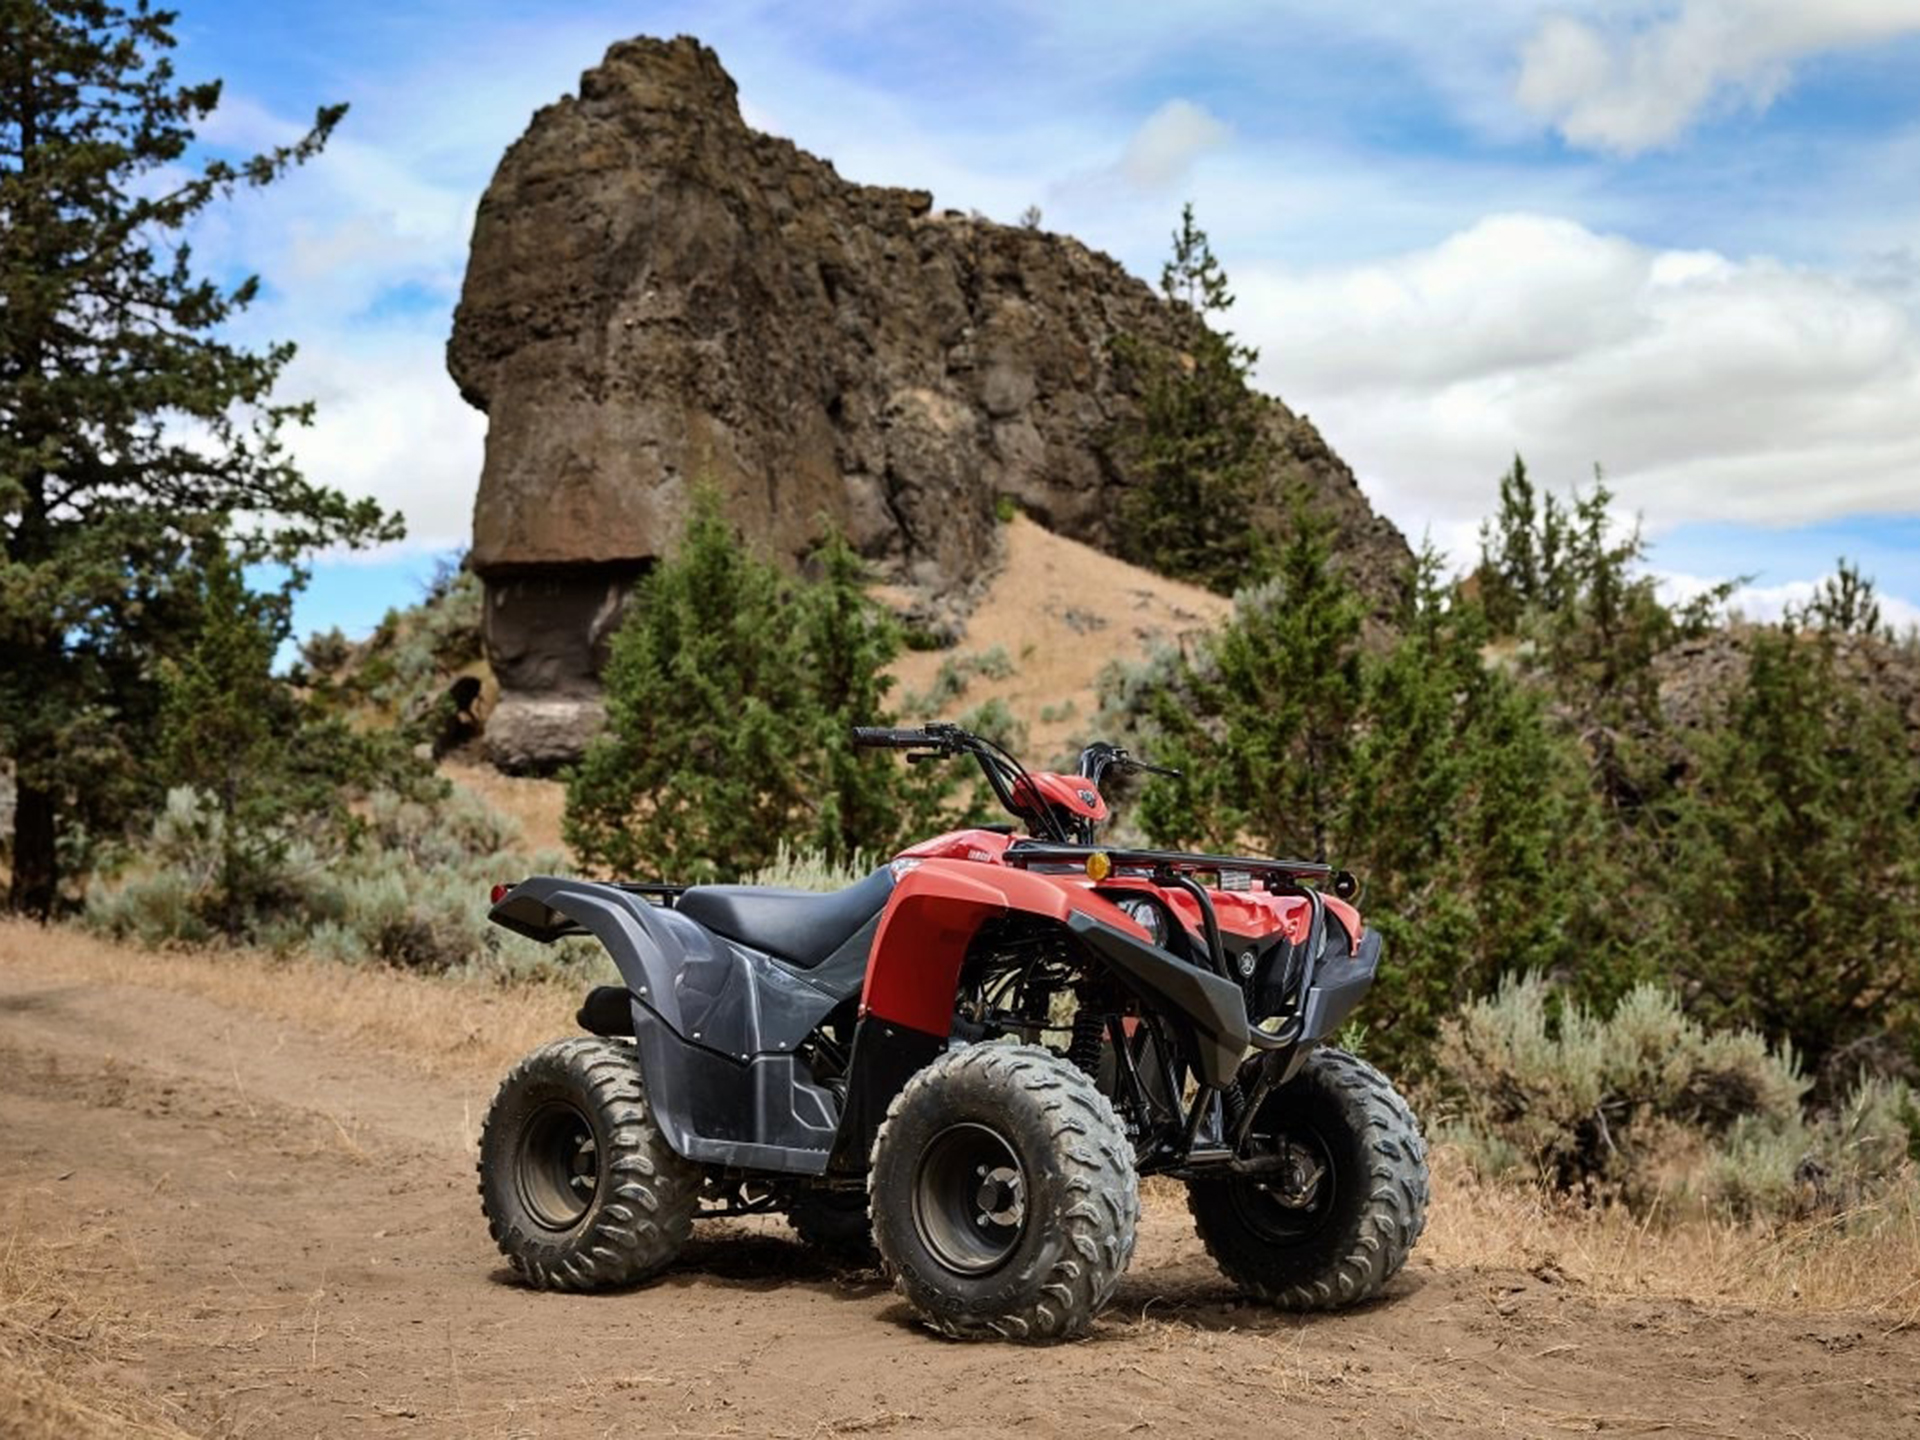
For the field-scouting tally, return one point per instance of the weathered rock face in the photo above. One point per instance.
(659, 296)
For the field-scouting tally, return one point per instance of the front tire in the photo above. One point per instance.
(1333, 1226)
(1003, 1195)
(580, 1190)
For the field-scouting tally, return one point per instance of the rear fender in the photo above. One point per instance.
(723, 1082)
(641, 945)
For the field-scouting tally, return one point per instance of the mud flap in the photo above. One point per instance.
(885, 1056)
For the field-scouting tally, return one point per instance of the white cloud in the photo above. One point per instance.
(1709, 388)
(1770, 602)
(1632, 79)
(1167, 144)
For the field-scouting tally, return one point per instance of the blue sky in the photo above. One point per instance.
(1679, 240)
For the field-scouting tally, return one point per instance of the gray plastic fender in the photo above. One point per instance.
(716, 1023)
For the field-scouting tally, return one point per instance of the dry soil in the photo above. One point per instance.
(275, 1230)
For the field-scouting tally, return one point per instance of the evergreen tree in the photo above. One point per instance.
(1262, 725)
(275, 764)
(129, 429)
(1847, 603)
(698, 773)
(224, 727)
(1199, 453)
(863, 799)
(1462, 808)
(731, 692)
(1793, 864)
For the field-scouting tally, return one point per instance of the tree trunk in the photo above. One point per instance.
(36, 860)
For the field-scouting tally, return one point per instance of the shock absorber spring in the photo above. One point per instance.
(1089, 1030)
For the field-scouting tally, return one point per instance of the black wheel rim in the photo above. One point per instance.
(970, 1199)
(1272, 1208)
(558, 1169)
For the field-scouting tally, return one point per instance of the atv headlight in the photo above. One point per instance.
(1148, 915)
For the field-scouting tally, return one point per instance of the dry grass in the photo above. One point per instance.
(1865, 1260)
(391, 1010)
(535, 805)
(57, 1341)
(1061, 610)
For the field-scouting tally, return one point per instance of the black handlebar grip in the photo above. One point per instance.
(879, 737)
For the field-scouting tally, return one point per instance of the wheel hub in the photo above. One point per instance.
(557, 1169)
(1300, 1175)
(999, 1199)
(970, 1198)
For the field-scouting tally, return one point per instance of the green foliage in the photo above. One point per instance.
(730, 692)
(799, 869)
(1436, 778)
(1199, 454)
(1845, 603)
(955, 676)
(1792, 859)
(273, 768)
(407, 888)
(857, 800)
(1261, 725)
(1644, 1102)
(130, 429)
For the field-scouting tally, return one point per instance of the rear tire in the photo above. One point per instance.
(1003, 1195)
(1369, 1204)
(580, 1190)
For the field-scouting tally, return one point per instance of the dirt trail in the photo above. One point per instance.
(296, 1222)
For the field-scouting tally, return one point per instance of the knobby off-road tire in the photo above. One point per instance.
(835, 1223)
(579, 1187)
(1003, 1195)
(1370, 1206)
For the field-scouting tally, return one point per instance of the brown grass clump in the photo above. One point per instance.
(486, 1029)
(1862, 1260)
(52, 1340)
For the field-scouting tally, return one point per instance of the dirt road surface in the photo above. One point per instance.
(293, 1222)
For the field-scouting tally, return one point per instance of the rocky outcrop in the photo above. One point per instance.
(1699, 676)
(659, 297)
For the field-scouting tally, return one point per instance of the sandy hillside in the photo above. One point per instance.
(237, 1199)
(1060, 611)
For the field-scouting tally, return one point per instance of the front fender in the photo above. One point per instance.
(931, 919)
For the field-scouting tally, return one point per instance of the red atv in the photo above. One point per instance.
(965, 1061)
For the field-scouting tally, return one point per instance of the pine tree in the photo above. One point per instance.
(130, 431)
(1463, 805)
(1262, 726)
(864, 800)
(731, 694)
(699, 773)
(1792, 867)
(1199, 453)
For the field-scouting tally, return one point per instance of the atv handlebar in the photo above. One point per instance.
(1005, 775)
(875, 737)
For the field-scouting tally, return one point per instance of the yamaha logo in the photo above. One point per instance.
(1087, 797)
(1247, 961)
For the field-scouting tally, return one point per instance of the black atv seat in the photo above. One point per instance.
(800, 926)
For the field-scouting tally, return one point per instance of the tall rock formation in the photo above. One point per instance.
(659, 297)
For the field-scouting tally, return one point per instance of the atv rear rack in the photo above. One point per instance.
(1279, 874)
